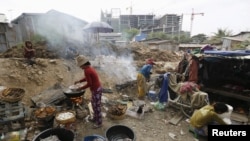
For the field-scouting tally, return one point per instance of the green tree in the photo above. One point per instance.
(131, 33)
(184, 38)
(222, 33)
(160, 35)
(199, 38)
(217, 36)
(244, 44)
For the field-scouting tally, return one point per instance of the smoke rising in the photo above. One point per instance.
(119, 68)
(63, 32)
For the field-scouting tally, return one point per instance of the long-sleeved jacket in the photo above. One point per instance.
(92, 79)
(204, 116)
(146, 70)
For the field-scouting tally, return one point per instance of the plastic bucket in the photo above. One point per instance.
(61, 133)
(152, 96)
(119, 132)
(93, 138)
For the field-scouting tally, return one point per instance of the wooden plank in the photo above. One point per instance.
(50, 96)
(228, 94)
(177, 118)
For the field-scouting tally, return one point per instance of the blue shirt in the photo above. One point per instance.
(145, 70)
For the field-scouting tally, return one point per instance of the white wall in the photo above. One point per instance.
(3, 18)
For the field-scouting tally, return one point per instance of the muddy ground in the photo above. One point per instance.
(50, 70)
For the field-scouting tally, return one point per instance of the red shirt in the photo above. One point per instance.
(92, 79)
(29, 52)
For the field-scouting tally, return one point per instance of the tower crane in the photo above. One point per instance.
(130, 8)
(192, 19)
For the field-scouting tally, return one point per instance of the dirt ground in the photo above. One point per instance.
(50, 70)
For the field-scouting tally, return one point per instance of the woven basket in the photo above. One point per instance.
(66, 120)
(12, 94)
(45, 113)
(118, 117)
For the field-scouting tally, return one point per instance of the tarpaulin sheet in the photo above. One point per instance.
(228, 53)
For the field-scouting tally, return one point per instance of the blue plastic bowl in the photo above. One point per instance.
(91, 138)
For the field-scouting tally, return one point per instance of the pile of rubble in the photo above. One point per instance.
(50, 70)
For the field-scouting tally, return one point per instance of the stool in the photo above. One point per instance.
(12, 125)
(11, 115)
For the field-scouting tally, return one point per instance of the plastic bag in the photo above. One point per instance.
(160, 106)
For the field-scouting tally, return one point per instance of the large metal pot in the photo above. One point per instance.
(70, 94)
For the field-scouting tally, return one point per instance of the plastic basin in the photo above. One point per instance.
(119, 132)
(61, 133)
(93, 138)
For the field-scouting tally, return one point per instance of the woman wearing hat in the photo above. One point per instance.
(143, 76)
(93, 82)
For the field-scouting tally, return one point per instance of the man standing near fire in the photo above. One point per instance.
(143, 76)
(93, 82)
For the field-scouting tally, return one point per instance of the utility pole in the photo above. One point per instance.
(192, 19)
(130, 12)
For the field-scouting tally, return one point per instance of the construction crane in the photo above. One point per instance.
(192, 19)
(130, 8)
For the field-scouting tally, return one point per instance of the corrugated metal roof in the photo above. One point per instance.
(243, 32)
(234, 38)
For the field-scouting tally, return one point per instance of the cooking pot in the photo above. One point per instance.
(120, 132)
(70, 94)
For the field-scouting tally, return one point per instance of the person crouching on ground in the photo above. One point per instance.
(207, 115)
(29, 52)
(93, 82)
(143, 76)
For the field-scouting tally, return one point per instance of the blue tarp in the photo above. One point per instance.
(217, 56)
(228, 53)
(140, 37)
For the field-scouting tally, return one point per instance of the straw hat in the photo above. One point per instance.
(81, 60)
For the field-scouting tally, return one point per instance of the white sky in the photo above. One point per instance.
(232, 15)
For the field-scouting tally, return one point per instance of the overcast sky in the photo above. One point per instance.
(232, 15)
